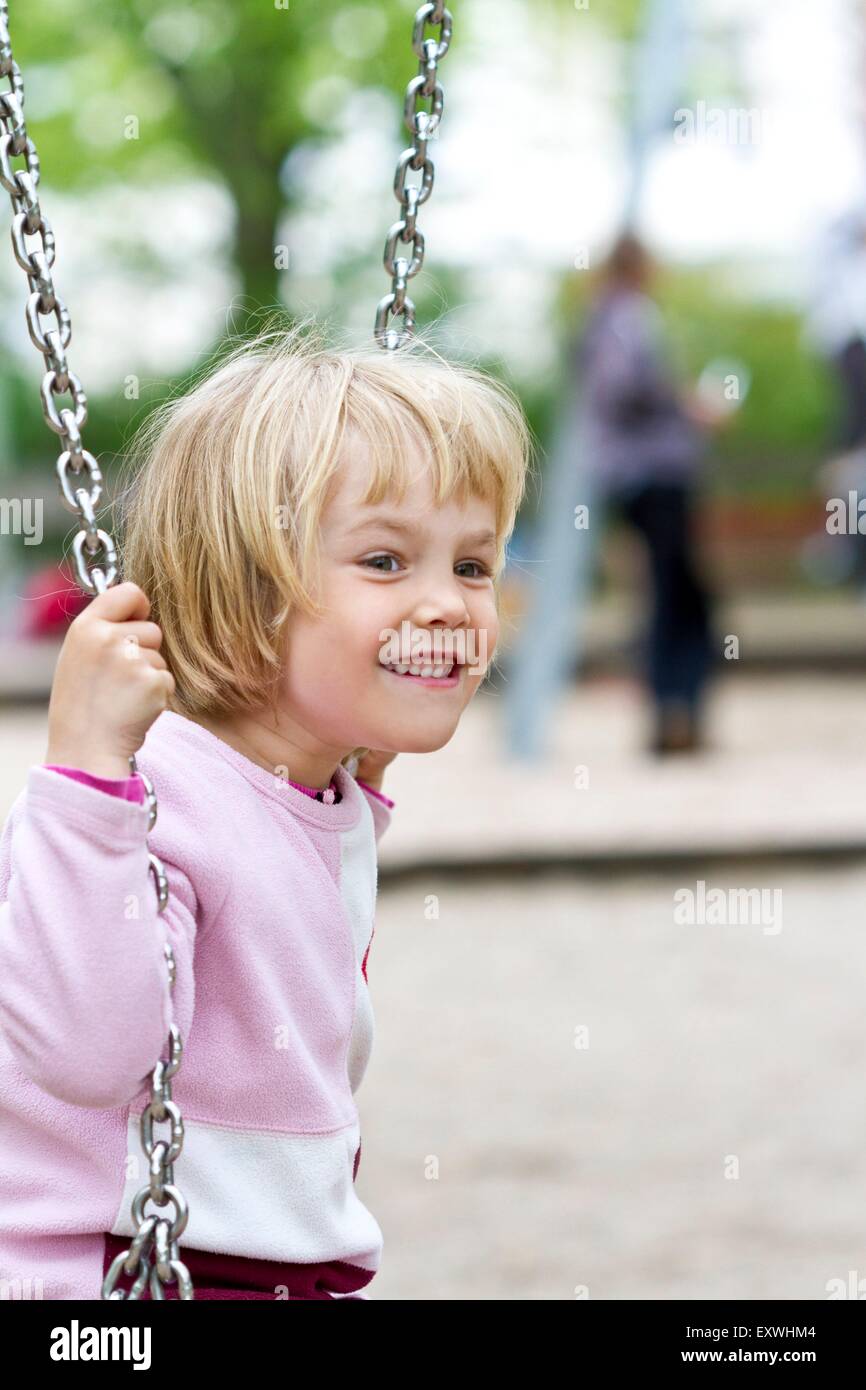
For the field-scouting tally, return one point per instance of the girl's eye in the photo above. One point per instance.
(486, 572)
(371, 560)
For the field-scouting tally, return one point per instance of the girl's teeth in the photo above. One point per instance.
(439, 672)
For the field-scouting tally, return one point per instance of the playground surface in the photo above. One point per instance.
(705, 1140)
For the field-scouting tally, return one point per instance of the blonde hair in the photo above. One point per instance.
(220, 523)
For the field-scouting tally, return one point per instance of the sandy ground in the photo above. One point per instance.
(705, 1141)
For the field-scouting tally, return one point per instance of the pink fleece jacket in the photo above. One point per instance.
(270, 917)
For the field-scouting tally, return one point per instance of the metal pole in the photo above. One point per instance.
(550, 643)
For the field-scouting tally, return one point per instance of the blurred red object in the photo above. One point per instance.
(51, 599)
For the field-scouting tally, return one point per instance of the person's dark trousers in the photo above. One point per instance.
(850, 366)
(679, 646)
(851, 369)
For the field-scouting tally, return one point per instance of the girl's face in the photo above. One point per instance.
(405, 569)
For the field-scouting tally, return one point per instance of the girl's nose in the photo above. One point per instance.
(446, 606)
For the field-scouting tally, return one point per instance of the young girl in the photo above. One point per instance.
(287, 517)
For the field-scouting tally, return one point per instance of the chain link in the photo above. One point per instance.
(153, 1258)
(422, 125)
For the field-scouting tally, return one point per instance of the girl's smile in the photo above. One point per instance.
(424, 675)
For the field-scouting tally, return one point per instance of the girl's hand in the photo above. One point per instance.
(372, 766)
(109, 686)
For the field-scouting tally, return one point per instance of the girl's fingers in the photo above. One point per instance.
(117, 603)
(145, 633)
(136, 652)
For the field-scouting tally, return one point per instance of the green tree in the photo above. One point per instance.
(215, 87)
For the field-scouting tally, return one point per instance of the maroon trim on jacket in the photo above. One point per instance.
(217, 1276)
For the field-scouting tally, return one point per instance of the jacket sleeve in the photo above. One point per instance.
(127, 788)
(382, 807)
(627, 374)
(85, 1005)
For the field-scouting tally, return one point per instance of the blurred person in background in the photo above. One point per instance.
(835, 328)
(644, 443)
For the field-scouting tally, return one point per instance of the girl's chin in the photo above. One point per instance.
(422, 740)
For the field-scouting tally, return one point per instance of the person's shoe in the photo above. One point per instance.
(677, 731)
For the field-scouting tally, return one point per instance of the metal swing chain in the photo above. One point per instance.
(81, 487)
(421, 125)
